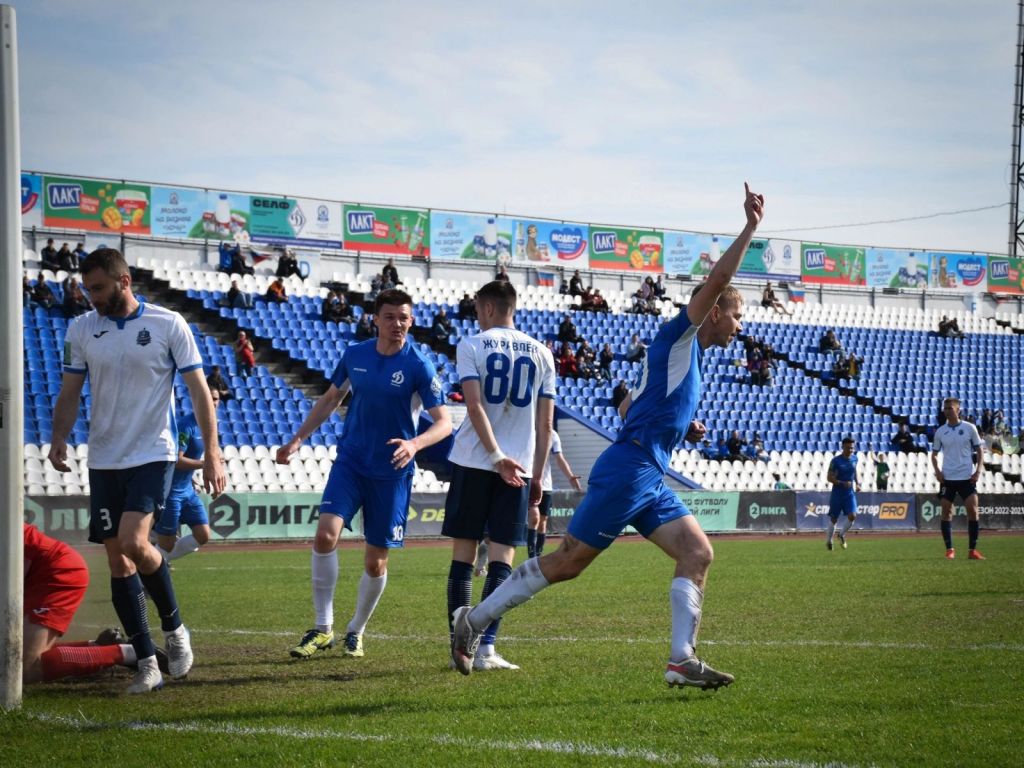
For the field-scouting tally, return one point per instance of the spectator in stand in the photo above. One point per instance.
(341, 309)
(636, 350)
(587, 300)
(232, 261)
(80, 253)
(365, 329)
(647, 290)
(390, 272)
(999, 425)
(987, 422)
(75, 303)
(276, 292)
(619, 394)
(442, 327)
(327, 307)
(237, 298)
(566, 361)
(605, 360)
(903, 440)
(586, 360)
(756, 450)
(576, 284)
(639, 303)
(215, 382)
(563, 288)
(659, 288)
(287, 265)
(502, 274)
(598, 302)
(854, 365)
(735, 445)
(245, 354)
(754, 358)
(49, 257)
(42, 294)
(881, 471)
(767, 366)
(768, 299)
(567, 330)
(950, 329)
(780, 485)
(467, 307)
(829, 342)
(66, 259)
(26, 290)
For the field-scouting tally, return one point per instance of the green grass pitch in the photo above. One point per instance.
(885, 654)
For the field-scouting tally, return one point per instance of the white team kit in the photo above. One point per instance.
(546, 483)
(133, 422)
(514, 370)
(957, 445)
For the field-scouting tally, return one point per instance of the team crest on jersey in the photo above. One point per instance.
(143, 338)
(397, 379)
(435, 386)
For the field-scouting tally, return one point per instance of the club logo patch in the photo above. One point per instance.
(397, 379)
(143, 338)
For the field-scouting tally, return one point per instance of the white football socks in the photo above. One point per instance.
(687, 600)
(186, 545)
(831, 532)
(847, 525)
(324, 578)
(370, 590)
(524, 582)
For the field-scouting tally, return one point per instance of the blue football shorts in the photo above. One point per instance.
(385, 503)
(186, 508)
(842, 505)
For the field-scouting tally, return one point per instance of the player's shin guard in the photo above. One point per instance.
(460, 588)
(947, 533)
(846, 526)
(972, 533)
(539, 547)
(161, 590)
(79, 660)
(687, 601)
(129, 601)
(324, 575)
(496, 576)
(525, 582)
(831, 531)
(531, 542)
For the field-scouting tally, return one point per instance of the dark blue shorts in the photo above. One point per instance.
(186, 508)
(385, 503)
(480, 503)
(545, 504)
(115, 491)
(625, 488)
(950, 489)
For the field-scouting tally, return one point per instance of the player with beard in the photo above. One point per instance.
(627, 485)
(130, 351)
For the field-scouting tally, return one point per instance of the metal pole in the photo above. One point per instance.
(12, 412)
(1015, 159)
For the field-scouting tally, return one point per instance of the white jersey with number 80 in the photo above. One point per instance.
(514, 371)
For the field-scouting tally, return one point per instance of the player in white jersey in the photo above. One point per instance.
(626, 485)
(508, 380)
(962, 461)
(537, 521)
(130, 351)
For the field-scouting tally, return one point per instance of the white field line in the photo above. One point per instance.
(558, 747)
(863, 644)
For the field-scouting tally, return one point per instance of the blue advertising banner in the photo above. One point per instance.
(31, 202)
(893, 268)
(175, 210)
(470, 236)
(550, 242)
(875, 511)
(689, 253)
(957, 270)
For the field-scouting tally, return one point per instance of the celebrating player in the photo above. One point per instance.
(131, 350)
(963, 457)
(537, 522)
(390, 381)
(627, 484)
(183, 503)
(842, 474)
(508, 380)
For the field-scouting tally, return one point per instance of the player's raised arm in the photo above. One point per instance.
(327, 403)
(724, 271)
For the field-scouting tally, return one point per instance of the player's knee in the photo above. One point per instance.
(325, 541)
(701, 555)
(133, 548)
(201, 535)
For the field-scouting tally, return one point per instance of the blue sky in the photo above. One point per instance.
(644, 113)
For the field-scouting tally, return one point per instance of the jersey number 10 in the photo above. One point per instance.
(508, 379)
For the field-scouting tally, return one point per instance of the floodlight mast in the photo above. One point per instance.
(1016, 222)
(12, 412)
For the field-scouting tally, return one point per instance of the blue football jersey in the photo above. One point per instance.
(190, 442)
(666, 398)
(388, 392)
(845, 470)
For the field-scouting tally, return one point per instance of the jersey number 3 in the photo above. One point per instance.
(511, 380)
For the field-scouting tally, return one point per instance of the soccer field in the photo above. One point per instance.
(884, 654)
